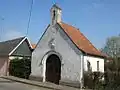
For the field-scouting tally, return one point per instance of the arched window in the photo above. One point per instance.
(98, 66)
(89, 66)
(53, 14)
(53, 17)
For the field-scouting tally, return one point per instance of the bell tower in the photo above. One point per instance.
(56, 13)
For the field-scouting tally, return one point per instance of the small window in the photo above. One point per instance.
(54, 14)
(88, 65)
(98, 66)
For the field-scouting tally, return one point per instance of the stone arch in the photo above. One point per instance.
(55, 59)
(53, 69)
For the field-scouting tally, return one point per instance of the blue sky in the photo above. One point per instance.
(96, 19)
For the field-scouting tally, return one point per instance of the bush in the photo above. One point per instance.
(93, 80)
(20, 67)
(112, 75)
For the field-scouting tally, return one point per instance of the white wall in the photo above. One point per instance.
(71, 56)
(93, 62)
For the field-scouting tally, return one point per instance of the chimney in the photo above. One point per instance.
(55, 14)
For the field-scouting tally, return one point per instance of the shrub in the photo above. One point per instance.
(20, 67)
(93, 80)
(112, 75)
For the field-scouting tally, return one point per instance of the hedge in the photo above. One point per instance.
(20, 67)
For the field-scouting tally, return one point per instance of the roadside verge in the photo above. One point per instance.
(46, 85)
(34, 83)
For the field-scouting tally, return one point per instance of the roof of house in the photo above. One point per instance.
(80, 40)
(33, 46)
(6, 47)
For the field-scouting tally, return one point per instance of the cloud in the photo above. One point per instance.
(94, 5)
(98, 3)
(11, 34)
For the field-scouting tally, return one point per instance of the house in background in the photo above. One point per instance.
(11, 49)
(63, 54)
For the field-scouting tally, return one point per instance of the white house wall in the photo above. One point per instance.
(93, 61)
(71, 56)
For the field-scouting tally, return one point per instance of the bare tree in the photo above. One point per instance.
(112, 47)
(112, 71)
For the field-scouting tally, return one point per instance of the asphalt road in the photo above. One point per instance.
(12, 85)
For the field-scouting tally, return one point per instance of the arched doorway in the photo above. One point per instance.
(53, 69)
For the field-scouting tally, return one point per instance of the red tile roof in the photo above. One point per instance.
(33, 46)
(80, 40)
